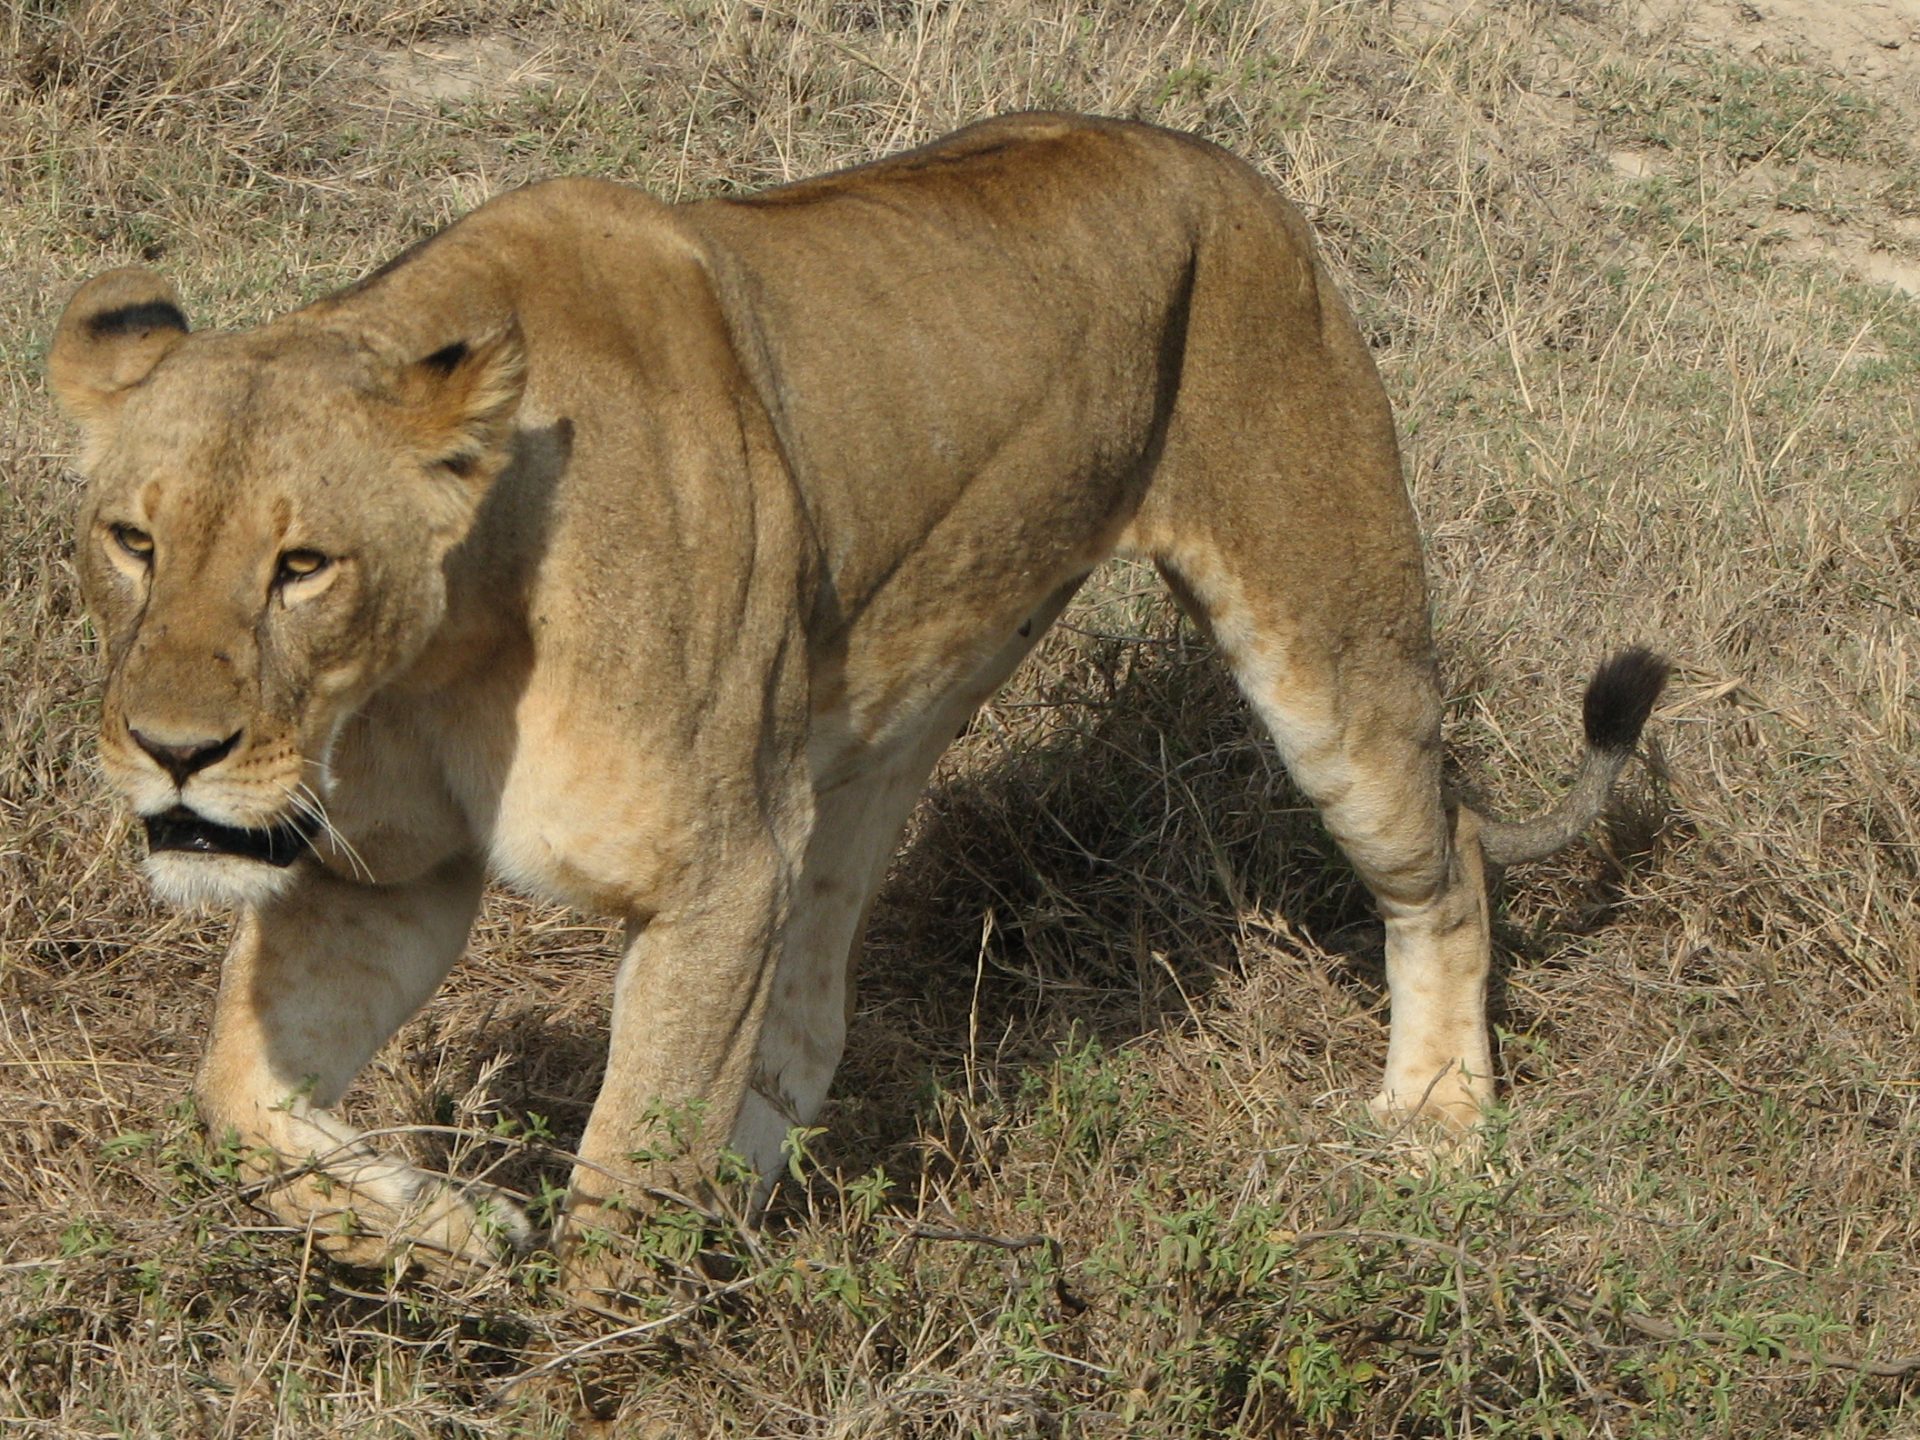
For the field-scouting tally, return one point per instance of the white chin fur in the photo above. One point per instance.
(214, 882)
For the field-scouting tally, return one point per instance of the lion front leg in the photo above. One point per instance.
(315, 982)
(689, 1005)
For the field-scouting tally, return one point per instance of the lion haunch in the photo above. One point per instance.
(648, 557)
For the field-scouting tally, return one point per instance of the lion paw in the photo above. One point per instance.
(1452, 1102)
(432, 1223)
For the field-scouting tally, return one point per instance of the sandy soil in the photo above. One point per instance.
(1876, 41)
(1872, 43)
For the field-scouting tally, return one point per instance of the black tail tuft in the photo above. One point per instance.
(1620, 697)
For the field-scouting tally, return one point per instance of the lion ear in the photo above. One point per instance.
(111, 335)
(460, 401)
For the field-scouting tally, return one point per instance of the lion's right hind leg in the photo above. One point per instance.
(1279, 511)
(1354, 710)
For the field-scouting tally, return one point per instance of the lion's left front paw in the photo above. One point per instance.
(465, 1223)
(403, 1218)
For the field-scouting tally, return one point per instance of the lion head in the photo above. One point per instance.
(261, 547)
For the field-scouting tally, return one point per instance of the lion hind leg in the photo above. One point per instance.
(314, 983)
(1354, 710)
(859, 814)
(806, 1025)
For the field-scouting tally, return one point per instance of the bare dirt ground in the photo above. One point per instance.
(1872, 43)
(1641, 278)
(1875, 41)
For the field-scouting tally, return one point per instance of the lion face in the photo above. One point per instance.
(262, 548)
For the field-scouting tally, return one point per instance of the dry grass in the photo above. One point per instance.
(1096, 1164)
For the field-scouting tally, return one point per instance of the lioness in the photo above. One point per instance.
(649, 556)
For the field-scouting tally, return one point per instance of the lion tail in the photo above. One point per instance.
(1619, 698)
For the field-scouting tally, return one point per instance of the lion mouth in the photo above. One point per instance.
(181, 829)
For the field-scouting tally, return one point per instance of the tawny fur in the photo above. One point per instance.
(649, 556)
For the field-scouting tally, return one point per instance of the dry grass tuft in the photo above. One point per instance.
(1096, 1165)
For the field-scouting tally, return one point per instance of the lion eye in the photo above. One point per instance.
(135, 541)
(298, 565)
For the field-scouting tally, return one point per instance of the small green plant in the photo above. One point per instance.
(87, 1237)
(1703, 102)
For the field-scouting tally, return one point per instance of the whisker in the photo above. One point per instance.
(310, 804)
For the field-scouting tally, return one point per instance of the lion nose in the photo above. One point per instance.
(182, 761)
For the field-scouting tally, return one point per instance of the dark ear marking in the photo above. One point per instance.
(458, 404)
(115, 329)
(136, 319)
(447, 357)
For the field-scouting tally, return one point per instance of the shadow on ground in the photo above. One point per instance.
(1089, 861)
(1084, 868)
